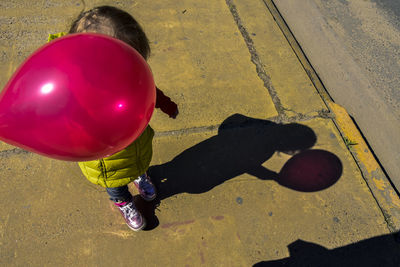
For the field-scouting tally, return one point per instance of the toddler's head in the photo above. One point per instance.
(114, 22)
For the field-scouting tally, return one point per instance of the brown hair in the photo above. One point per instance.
(114, 22)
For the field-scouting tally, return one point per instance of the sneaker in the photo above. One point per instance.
(132, 216)
(146, 188)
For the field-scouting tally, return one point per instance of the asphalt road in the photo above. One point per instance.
(354, 47)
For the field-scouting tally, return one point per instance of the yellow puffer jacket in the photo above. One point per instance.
(123, 167)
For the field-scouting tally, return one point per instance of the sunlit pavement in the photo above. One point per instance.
(232, 190)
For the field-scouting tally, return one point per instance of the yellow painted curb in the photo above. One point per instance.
(353, 137)
(378, 183)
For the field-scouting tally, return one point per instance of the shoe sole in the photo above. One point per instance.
(149, 199)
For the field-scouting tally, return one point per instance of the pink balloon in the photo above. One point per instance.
(80, 97)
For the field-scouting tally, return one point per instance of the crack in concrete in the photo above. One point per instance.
(256, 59)
(321, 114)
(12, 152)
(201, 129)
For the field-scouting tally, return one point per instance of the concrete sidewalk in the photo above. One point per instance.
(230, 193)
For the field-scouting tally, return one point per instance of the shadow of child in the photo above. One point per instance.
(242, 145)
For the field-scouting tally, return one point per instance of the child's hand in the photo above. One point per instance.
(171, 109)
(166, 104)
(175, 113)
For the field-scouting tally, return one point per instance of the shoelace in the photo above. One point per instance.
(128, 210)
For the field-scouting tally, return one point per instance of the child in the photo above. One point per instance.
(130, 164)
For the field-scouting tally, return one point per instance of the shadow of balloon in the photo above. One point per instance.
(376, 251)
(310, 171)
(242, 145)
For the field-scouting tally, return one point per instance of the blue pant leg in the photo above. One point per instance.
(119, 194)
